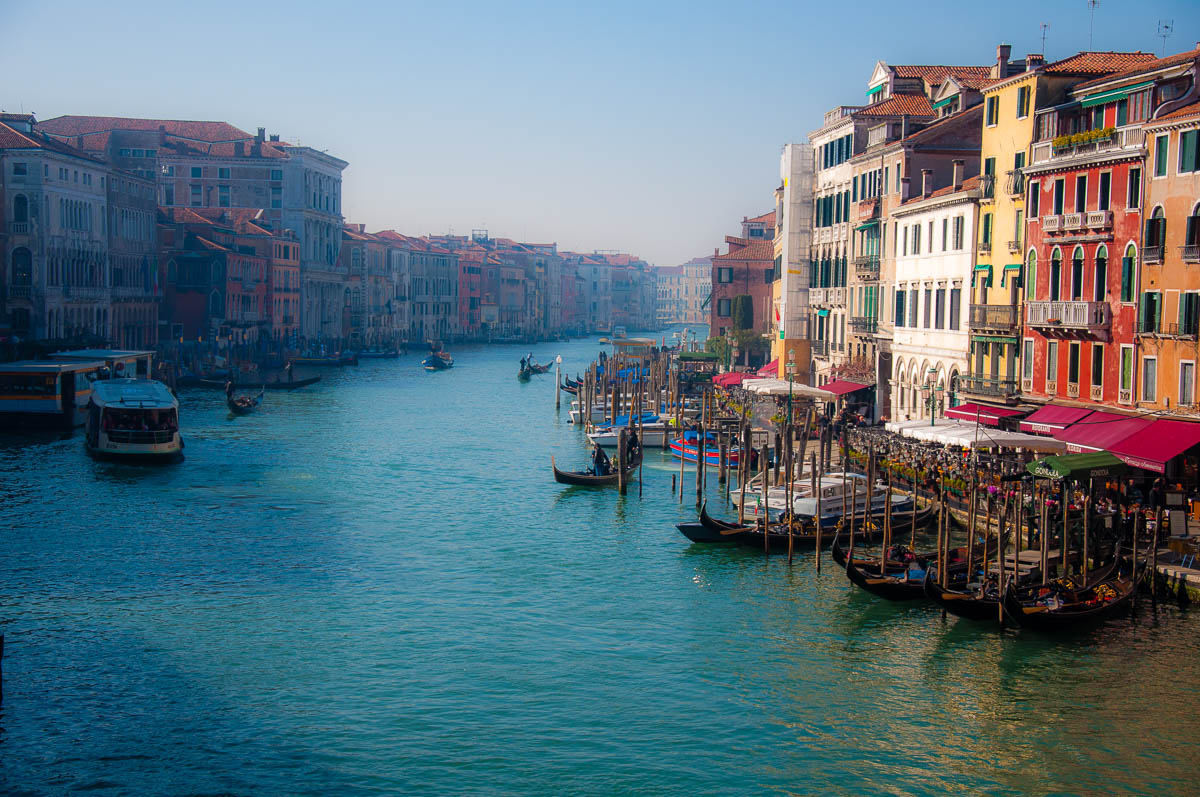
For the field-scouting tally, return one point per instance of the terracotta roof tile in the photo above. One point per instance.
(898, 104)
(1098, 63)
(15, 139)
(1186, 112)
(196, 130)
(753, 249)
(1148, 66)
(936, 73)
(766, 218)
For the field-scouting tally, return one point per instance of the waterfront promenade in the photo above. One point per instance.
(374, 586)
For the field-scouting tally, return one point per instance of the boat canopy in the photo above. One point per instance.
(147, 394)
(782, 387)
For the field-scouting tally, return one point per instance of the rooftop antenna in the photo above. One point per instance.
(1045, 27)
(1092, 22)
(1165, 28)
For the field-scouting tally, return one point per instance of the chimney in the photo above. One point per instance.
(716, 251)
(162, 135)
(262, 134)
(1000, 70)
(926, 182)
(78, 142)
(1033, 61)
(958, 173)
(905, 187)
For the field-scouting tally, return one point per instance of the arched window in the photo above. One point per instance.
(1055, 274)
(1100, 278)
(1191, 238)
(1077, 274)
(1031, 273)
(1156, 236)
(1128, 273)
(20, 209)
(22, 267)
(216, 305)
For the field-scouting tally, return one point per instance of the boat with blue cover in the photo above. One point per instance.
(687, 448)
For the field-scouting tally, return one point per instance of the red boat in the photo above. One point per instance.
(687, 448)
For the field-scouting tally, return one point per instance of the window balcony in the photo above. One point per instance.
(1121, 138)
(1190, 253)
(1001, 317)
(1014, 182)
(820, 348)
(1051, 223)
(20, 291)
(863, 325)
(19, 228)
(992, 386)
(1166, 329)
(867, 266)
(987, 186)
(1073, 316)
(1014, 246)
(1099, 219)
(1152, 254)
(1072, 221)
(985, 247)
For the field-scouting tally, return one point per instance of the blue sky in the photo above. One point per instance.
(645, 127)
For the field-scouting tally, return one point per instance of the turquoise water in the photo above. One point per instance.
(374, 586)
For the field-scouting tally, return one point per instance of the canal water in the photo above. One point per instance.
(374, 586)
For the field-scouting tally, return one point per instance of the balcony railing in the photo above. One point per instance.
(1014, 182)
(820, 348)
(832, 296)
(1085, 316)
(1099, 219)
(1166, 329)
(1072, 221)
(19, 291)
(1051, 223)
(985, 247)
(863, 325)
(1190, 253)
(867, 265)
(1014, 246)
(994, 316)
(987, 186)
(19, 228)
(1152, 254)
(988, 386)
(1132, 137)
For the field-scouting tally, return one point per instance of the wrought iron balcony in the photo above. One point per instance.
(988, 386)
(987, 186)
(985, 247)
(1014, 182)
(1190, 253)
(864, 325)
(820, 348)
(1166, 329)
(994, 316)
(1152, 254)
(1014, 246)
(1076, 316)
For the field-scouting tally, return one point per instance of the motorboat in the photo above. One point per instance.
(133, 419)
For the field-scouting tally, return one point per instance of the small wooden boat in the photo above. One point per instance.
(294, 384)
(379, 355)
(710, 530)
(586, 479)
(984, 604)
(244, 405)
(438, 361)
(1058, 607)
(539, 369)
(898, 579)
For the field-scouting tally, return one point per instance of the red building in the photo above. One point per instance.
(1086, 180)
(747, 268)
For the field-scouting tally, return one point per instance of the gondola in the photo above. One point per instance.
(244, 405)
(899, 580)
(539, 369)
(1059, 608)
(985, 606)
(277, 385)
(524, 374)
(711, 529)
(379, 355)
(584, 479)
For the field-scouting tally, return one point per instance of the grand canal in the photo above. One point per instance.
(374, 586)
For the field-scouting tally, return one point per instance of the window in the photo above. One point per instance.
(945, 234)
(1189, 313)
(1100, 280)
(1052, 361)
(1150, 312)
(222, 172)
(959, 224)
(277, 174)
(197, 172)
(1077, 274)
(987, 229)
(928, 306)
(916, 239)
(939, 312)
(1097, 364)
(197, 196)
(955, 307)
(1126, 368)
(992, 111)
(223, 196)
(276, 197)
(1122, 113)
(19, 170)
(1156, 228)
(1073, 362)
(905, 252)
(989, 167)
(1030, 280)
(1150, 379)
(1128, 264)
(1055, 274)
(1134, 200)
(1059, 193)
(912, 308)
(1189, 151)
(900, 307)
(1138, 105)
(1102, 198)
(1187, 383)
(1027, 359)
(1022, 102)
(1160, 156)
(723, 307)
(1081, 193)
(725, 276)
(168, 195)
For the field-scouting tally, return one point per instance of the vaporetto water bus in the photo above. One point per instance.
(133, 419)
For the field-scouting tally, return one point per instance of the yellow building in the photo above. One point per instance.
(997, 293)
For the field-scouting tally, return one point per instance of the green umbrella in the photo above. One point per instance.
(1076, 466)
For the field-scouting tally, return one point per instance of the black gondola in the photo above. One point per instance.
(1055, 607)
(244, 405)
(898, 582)
(585, 479)
(278, 385)
(985, 606)
(710, 529)
(524, 374)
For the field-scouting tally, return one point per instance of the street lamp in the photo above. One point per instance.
(933, 396)
(790, 370)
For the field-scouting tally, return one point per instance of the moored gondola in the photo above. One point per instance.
(803, 534)
(902, 576)
(585, 479)
(1058, 607)
(276, 385)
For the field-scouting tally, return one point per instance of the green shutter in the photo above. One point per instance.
(1158, 306)
(1187, 151)
(1160, 156)
(1127, 279)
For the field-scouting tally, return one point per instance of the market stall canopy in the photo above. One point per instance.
(840, 387)
(1099, 431)
(1076, 466)
(1052, 418)
(1157, 444)
(987, 414)
(969, 435)
(771, 369)
(733, 378)
(782, 387)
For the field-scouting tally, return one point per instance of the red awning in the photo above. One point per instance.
(1052, 418)
(770, 370)
(841, 387)
(987, 414)
(1158, 443)
(733, 378)
(1099, 431)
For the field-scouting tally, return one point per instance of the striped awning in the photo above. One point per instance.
(1114, 95)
